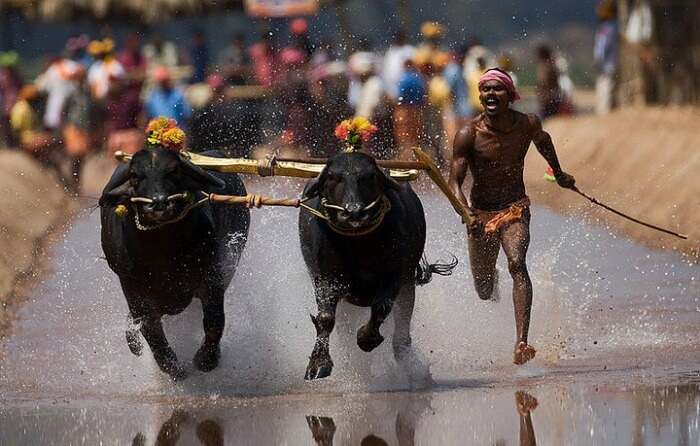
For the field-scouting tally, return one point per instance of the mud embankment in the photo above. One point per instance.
(32, 206)
(643, 161)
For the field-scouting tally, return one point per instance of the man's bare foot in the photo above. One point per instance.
(525, 402)
(523, 353)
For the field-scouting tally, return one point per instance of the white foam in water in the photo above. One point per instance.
(588, 286)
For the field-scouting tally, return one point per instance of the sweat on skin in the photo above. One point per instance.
(493, 146)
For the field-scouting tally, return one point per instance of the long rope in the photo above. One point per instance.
(623, 215)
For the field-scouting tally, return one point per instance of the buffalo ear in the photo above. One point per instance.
(201, 177)
(389, 182)
(117, 187)
(313, 187)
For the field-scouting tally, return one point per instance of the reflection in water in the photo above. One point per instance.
(410, 412)
(209, 432)
(526, 403)
(322, 429)
(623, 411)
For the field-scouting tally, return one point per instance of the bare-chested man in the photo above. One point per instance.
(493, 147)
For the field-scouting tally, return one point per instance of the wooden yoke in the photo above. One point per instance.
(435, 175)
(310, 168)
(274, 167)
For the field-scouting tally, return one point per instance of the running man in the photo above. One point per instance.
(493, 146)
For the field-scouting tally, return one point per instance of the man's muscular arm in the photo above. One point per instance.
(544, 145)
(463, 144)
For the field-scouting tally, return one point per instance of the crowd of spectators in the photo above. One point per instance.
(97, 97)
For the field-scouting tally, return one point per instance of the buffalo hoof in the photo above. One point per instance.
(176, 372)
(207, 358)
(368, 339)
(168, 364)
(402, 351)
(318, 370)
(134, 342)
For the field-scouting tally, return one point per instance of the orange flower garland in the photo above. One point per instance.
(355, 131)
(164, 132)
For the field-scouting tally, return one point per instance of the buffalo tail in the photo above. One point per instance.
(425, 270)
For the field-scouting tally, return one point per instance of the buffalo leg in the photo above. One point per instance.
(207, 357)
(133, 339)
(320, 363)
(403, 312)
(152, 331)
(136, 312)
(368, 336)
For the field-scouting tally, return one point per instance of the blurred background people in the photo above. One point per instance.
(166, 99)
(199, 57)
(233, 62)
(606, 56)
(548, 90)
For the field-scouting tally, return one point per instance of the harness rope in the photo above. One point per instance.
(252, 200)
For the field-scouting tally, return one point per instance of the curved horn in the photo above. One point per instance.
(117, 186)
(200, 175)
(313, 187)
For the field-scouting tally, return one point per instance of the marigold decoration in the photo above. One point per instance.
(121, 211)
(353, 132)
(164, 132)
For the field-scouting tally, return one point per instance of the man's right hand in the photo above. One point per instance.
(475, 227)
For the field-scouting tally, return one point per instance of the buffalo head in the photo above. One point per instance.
(351, 188)
(160, 184)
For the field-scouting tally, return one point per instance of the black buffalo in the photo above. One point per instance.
(172, 245)
(367, 250)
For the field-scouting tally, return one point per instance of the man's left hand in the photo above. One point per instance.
(565, 180)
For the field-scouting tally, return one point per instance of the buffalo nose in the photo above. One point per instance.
(160, 202)
(353, 212)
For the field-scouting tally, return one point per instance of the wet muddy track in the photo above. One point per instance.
(613, 322)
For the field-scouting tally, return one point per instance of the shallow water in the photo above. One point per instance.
(605, 311)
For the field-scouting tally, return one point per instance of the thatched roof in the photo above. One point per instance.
(145, 11)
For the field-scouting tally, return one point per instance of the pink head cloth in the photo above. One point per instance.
(504, 78)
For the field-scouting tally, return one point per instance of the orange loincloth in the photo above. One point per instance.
(495, 220)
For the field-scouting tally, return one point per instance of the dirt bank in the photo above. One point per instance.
(33, 204)
(644, 161)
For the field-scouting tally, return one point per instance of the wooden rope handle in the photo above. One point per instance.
(253, 200)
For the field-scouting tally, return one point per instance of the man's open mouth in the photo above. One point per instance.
(491, 102)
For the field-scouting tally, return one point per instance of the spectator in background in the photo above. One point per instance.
(106, 68)
(26, 124)
(296, 99)
(124, 109)
(160, 53)
(477, 60)
(234, 62)
(363, 53)
(166, 100)
(505, 63)
(199, 57)
(408, 115)
(10, 85)
(432, 33)
(131, 58)
(77, 128)
(58, 82)
(438, 107)
(394, 61)
(547, 89)
(461, 110)
(299, 28)
(262, 57)
(371, 88)
(605, 56)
